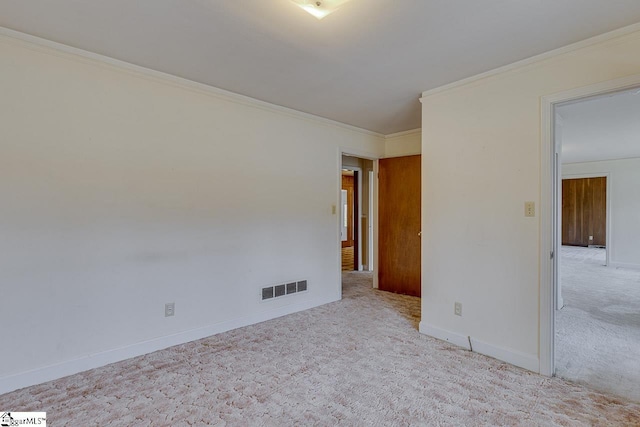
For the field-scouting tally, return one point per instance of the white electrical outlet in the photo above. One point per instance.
(529, 209)
(457, 309)
(169, 309)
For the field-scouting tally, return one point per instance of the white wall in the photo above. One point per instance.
(400, 144)
(121, 192)
(624, 197)
(481, 154)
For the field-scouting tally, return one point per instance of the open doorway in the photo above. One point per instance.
(356, 223)
(596, 330)
(356, 213)
(349, 208)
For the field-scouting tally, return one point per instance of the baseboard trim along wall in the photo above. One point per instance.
(92, 361)
(444, 335)
(624, 265)
(516, 358)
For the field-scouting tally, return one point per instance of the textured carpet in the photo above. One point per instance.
(356, 362)
(598, 329)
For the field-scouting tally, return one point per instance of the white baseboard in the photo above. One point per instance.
(444, 335)
(73, 366)
(523, 360)
(624, 265)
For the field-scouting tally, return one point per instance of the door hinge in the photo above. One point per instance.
(551, 254)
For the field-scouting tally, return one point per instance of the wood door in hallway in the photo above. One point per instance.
(584, 211)
(399, 225)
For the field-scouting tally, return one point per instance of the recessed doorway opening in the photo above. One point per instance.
(590, 267)
(356, 212)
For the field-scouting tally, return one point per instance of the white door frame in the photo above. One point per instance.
(548, 207)
(373, 215)
(357, 222)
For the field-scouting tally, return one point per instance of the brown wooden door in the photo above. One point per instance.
(584, 211)
(399, 225)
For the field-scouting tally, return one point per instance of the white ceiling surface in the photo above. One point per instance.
(604, 128)
(365, 65)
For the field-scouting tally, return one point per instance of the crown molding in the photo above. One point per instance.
(611, 35)
(69, 52)
(403, 133)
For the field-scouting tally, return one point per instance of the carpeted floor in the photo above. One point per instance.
(598, 329)
(356, 362)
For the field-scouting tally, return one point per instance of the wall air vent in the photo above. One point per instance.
(291, 288)
(284, 289)
(267, 292)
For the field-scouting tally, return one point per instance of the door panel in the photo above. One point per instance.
(584, 211)
(399, 225)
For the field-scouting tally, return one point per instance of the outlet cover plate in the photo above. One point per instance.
(457, 309)
(169, 309)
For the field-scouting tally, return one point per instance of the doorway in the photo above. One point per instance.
(356, 212)
(589, 323)
(348, 212)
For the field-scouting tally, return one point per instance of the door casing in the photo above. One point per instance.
(549, 208)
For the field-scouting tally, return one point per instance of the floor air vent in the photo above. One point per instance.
(289, 288)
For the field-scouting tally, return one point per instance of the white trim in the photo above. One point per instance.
(357, 262)
(403, 133)
(537, 58)
(624, 265)
(374, 219)
(73, 366)
(606, 175)
(68, 52)
(547, 302)
(444, 335)
(338, 219)
(547, 285)
(526, 361)
(370, 265)
(362, 154)
(373, 216)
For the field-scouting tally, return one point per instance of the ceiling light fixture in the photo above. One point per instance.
(320, 8)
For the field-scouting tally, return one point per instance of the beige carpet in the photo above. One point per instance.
(598, 329)
(356, 362)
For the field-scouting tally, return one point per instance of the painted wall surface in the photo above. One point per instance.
(481, 144)
(624, 187)
(122, 192)
(403, 144)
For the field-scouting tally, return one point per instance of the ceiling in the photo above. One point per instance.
(365, 65)
(603, 128)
